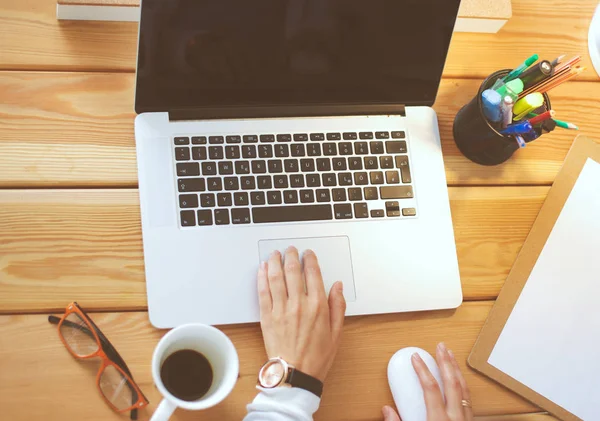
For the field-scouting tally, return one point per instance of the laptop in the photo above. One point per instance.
(264, 124)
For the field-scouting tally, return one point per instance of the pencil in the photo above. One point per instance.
(543, 116)
(565, 125)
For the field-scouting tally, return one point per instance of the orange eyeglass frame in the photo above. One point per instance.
(104, 349)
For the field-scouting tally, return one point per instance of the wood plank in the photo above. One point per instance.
(32, 39)
(538, 416)
(60, 245)
(76, 129)
(40, 380)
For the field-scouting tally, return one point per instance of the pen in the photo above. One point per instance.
(536, 73)
(507, 111)
(516, 72)
(542, 117)
(517, 128)
(520, 141)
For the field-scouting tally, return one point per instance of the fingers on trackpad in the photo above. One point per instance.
(335, 258)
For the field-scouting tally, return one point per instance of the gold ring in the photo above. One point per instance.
(466, 403)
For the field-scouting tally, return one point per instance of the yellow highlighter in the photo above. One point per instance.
(526, 105)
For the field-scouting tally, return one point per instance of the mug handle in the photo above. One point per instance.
(164, 411)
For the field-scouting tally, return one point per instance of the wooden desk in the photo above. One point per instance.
(70, 230)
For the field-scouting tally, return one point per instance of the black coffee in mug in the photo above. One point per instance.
(187, 374)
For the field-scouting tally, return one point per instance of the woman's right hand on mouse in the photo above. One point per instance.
(455, 388)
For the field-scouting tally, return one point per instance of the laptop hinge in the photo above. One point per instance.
(222, 113)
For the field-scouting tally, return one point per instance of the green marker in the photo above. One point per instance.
(516, 72)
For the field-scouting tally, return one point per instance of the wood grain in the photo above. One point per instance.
(40, 380)
(76, 129)
(32, 39)
(61, 245)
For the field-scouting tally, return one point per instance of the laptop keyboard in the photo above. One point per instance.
(275, 178)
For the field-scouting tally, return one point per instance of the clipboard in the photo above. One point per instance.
(582, 149)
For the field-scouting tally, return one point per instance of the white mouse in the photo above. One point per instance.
(405, 385)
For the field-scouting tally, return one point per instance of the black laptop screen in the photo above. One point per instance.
(220, 53)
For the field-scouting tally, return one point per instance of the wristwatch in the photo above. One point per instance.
(277, 372)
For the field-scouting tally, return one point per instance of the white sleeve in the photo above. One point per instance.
(283, 404)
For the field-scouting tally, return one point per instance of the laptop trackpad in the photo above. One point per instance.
(333, 253)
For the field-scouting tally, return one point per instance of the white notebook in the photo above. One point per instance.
(551, 340)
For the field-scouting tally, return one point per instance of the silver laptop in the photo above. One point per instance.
(265, 123)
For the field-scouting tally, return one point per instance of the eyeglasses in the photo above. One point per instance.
(84, 340)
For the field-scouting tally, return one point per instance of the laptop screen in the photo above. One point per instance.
(220, 53)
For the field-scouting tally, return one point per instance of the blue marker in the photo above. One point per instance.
(520, 141)
(521, 127)
(491, 105)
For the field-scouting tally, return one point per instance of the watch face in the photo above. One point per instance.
(272, 374)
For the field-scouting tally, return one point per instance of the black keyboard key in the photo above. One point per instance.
(398, 135)
(323, 195)
(386, 162)
(354, 194)
(207, 200)
(343, 211)
(188, 218)
(240, 216)
(329, 179)
(215, 152)
(280, 181)
(199, 153)
(214, 184)
(199, 140)
(232, 152)
(376, 177)
(371, 193)
(209, 168)
(392, 208)
(377, 213)
(233, 139)
(307, 165)
(231, 183)
(371, 163)
(264, 182)
(307, 196)
(300, 137)
(361, 178)
(361, 148)
(345, 148)
(395, 146)
(396, 192)
(323, 164)
(298, 149)
(355, 163)
(350, 136)
(376, 148)
(330, 149)
(313, 149)
(259, 167)
(250, 138)
(222, 216)
(392, 177)
(205, 217)
(382, 135)
(248, 183)
(224, 199)
(275, 166)
(267, 138)
(265, 151)
(291, 213)
(240, 198)
(242, 167)
(257, 198)
(191, 184)
(225, 167)
(409, 212)
(297, 180)
(186, 169)
(188, 201)
(290, 196)
(345, 179)
(361, 210)
(181, 140)
(339, 164)
(182, 154)
(334, 136)
(291, 165)
(339, 195)
(366, 135)
(274, 197)
(216, 140)
(402, 164)
(317, 137)
(284, 137)
(313, 180)
(282, 150)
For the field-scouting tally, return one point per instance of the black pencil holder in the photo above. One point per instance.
(476, 138)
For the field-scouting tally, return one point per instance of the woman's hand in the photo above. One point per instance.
(455, 389)
(298, 322)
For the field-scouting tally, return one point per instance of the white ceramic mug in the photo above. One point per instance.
(216, 347)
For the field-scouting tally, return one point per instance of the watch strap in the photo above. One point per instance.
(296, 378)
